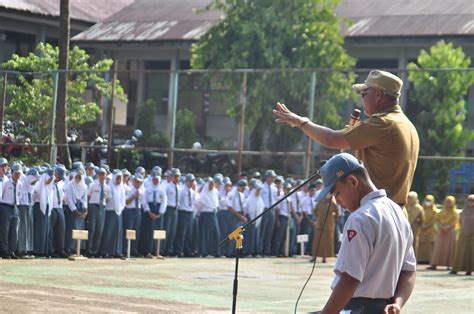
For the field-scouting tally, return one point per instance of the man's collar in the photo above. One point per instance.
(373, 195)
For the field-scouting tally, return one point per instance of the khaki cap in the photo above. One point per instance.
(385, 81)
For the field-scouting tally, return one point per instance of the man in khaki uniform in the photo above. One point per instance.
(387, 142)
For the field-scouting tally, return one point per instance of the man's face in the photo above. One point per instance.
(16, 176)
(57, 178)
(227, 188)
(189, 184)
(372, 99)
(101, 177)
(137, 184)
(176, 179)
(90, 172)
(270, 180)
(347, 194)
(156, 181)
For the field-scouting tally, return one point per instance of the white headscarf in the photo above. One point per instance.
(208, 198)
(118, 194)
(45, 193)
(78, 188)
(254, 206)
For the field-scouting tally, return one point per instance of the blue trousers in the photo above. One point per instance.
(147, 244)
(72, 222)
(209, 234)
(185, 220)
(225, 227)
(307, 228)
(25, 229)
(279, 236)
(251, 240)
(132, 220)
(108, 242)
(57, 231)
(267, 227)
(192, 237)
(9, 218)
(95, 225)
(171, 223)
(41, 231)
(294, 231)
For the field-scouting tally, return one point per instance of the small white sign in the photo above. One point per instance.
(302, 238)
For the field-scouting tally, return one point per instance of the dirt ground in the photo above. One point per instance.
(202, 285)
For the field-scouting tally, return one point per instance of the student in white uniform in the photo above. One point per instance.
(113, 217)
(132, 214)
(152, 217)
(75, 211)
(269, 197)
(295, 218)
(185, 217)
(236, 209)
(171, 215)
(57, 229)
(308, 222)
(208, 227)
(9, 215)
(284, 210)
(43, 204)
(25, 229)
(375, 268)
(224, 216)
(253, 206)
(98, 193)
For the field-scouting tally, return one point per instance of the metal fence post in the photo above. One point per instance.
(312, 94)
(110, 113)
(243, 103)
(53, 148)
(4, 101)
(173, 117)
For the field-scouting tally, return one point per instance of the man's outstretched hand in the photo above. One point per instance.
(284, 115)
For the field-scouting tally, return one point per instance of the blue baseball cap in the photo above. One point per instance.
(60, 171)
(335, 169)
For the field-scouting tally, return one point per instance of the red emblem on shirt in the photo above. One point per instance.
(351, 234)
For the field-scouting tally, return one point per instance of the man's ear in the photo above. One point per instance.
(353, 180)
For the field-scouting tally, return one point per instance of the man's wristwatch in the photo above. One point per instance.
(303, 122)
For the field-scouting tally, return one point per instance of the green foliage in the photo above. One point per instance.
(268, 34)
(186, 133)
(440, 98)
(146, 122)
(32, 95)
(128, 158)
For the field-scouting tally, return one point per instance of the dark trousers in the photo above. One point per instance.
(72, 222)
(233, 223)
(184, 226)
(251, 239)
(266, 232)
(41, 231)
(192, 237)
(225, 221)
(9, 218)
(294, 231)
(132, 220)
(366, 305)
(57, 231)
(279, 236)
(307, 228)
(209, 234)
(147, 244)
(171, 223)
(108, 243)
(95, 226)
(25, 229)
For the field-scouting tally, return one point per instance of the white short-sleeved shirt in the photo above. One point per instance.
(377, 245)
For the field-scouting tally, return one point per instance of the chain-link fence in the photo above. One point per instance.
(214, 121)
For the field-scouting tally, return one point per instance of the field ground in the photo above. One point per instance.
(197, 285)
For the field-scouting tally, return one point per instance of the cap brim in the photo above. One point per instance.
(359, 88)
(324, 191)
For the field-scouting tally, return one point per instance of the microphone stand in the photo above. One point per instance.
(237, 236)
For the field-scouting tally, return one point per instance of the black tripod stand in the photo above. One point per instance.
(239, 238)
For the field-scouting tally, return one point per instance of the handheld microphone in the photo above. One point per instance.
(355, 116)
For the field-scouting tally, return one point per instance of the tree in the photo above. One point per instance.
(61, 112)
(32, 95)
(440, 102)
(269, 34)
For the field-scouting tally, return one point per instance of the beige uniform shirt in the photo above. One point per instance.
(388, 144)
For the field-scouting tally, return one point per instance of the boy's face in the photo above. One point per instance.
(347, 194)
(137, 184)
(101, 177)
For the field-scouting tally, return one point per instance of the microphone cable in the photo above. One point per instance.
(316, 256)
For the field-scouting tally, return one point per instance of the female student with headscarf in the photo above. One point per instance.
(427, 231)
(446, 220)
(208, 227)
(75, 211)
(464, 254)
(113, 216)
(43, 202)
(415, 216)
(253, 206)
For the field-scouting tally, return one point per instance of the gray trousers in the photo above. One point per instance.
(170, 224)
(25, 229)
(41, 231)
(8, 229)
(95, 225)
(185, 220)
(267, 227)
(108, 243)
(57, 231)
